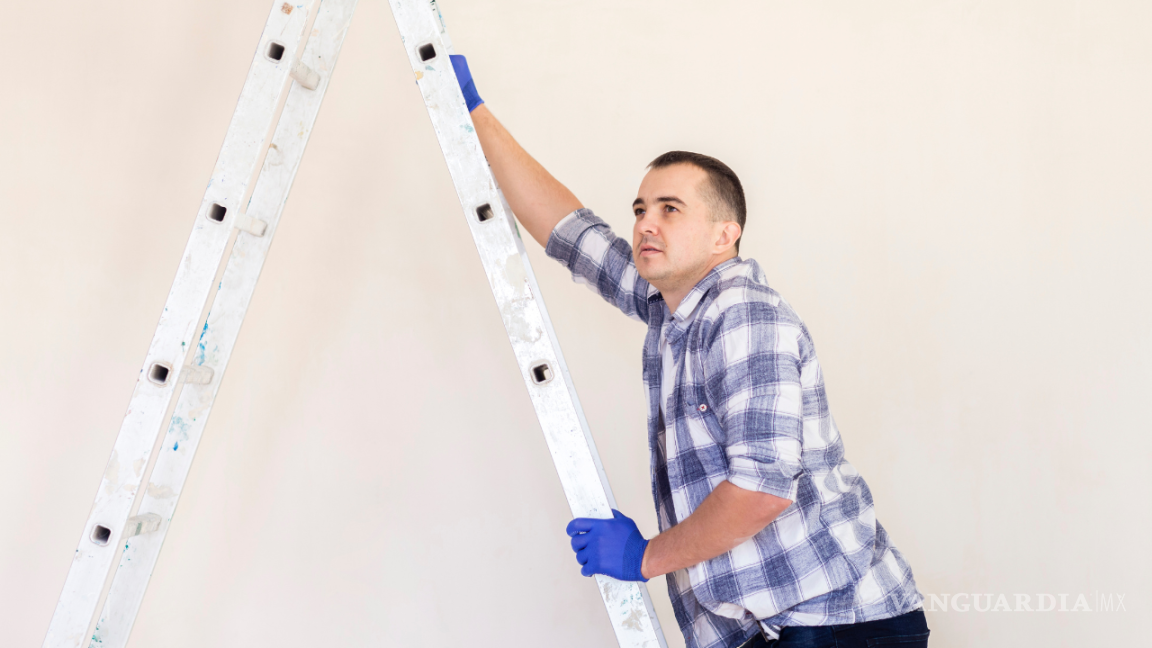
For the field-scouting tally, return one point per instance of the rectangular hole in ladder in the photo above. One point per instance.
(484, 212)
(275, 51)
(101, 534)
(216, 212)
(427, 52)
(158, 374)
(541, 373)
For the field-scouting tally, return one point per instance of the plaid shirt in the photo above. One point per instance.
(748, 406)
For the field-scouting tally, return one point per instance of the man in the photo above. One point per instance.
(766, 531)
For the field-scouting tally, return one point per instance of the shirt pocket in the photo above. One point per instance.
(700, 410)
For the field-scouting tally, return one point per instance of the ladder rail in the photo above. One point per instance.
(218, 336)
(517, 294)
(164, 372)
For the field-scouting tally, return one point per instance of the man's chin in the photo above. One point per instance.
(650, 274)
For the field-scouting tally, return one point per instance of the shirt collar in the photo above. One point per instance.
(692, 299)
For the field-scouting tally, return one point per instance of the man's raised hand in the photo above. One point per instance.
(464, 78)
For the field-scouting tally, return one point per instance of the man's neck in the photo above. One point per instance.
(675, 293)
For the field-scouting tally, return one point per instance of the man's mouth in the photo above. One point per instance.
(649, 250)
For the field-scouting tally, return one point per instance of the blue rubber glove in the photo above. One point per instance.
(611, 547)
(464, 78)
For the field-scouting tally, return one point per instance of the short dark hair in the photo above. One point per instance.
(723, 184)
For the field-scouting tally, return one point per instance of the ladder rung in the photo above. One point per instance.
(196, 375)
(141, 524)
(253, 226)
(305, 75)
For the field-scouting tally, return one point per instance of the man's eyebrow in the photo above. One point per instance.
(661, 199)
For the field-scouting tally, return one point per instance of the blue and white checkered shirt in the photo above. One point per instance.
(747, 405)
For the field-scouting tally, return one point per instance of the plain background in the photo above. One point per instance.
(955, 195)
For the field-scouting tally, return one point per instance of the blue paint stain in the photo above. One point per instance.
(178, 429)
(200, 346)
(469, 128)
(176, 446)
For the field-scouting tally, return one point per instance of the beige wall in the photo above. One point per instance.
(954, 195)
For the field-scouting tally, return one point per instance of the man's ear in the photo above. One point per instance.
(727, 236)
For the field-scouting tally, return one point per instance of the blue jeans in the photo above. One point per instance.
(909, 630)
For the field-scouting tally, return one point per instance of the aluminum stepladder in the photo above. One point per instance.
(521, 307)
(234, 227)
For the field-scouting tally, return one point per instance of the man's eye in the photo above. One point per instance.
(670, 208)
(639, 212)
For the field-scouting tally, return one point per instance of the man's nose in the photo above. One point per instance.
(647, 224)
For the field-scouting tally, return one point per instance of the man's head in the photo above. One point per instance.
(690, 213)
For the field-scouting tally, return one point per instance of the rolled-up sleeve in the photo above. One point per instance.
(595, 256)
(753, 369)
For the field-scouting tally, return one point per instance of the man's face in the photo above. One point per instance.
(675, 237)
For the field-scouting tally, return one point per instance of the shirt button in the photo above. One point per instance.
(703, 408)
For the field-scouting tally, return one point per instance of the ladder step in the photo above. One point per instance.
(141, 524)
(305, 75)
(195, 375)
(253, 226)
